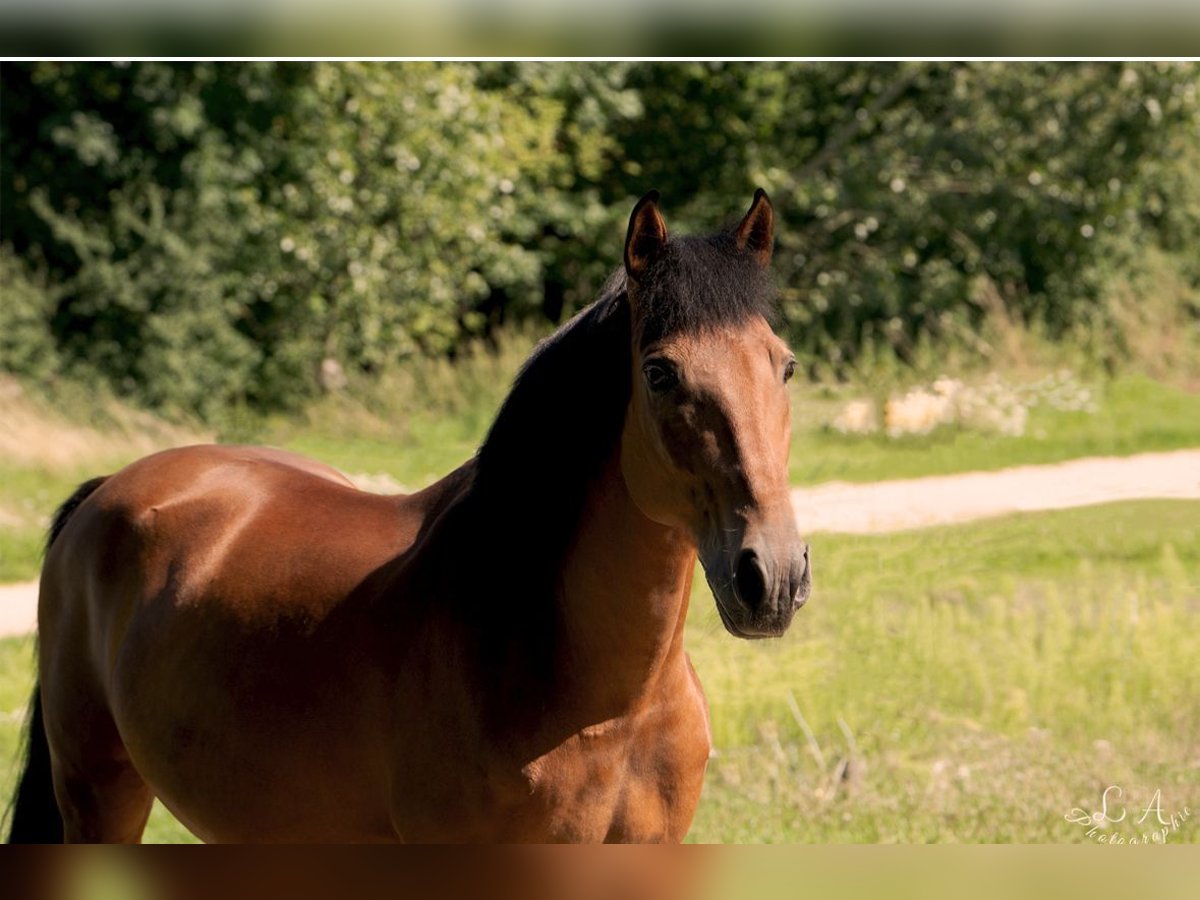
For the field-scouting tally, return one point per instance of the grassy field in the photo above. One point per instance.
(972, 683)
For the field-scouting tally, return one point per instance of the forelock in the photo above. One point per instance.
(700, 282)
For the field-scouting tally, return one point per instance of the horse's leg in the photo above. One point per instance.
(109, 805)
(100, 794)
(101, 797)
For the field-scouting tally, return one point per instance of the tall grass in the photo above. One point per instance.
(414, 423)
(972, 683)
(1131, 414)
(51, 440)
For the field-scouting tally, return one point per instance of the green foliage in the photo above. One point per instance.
(133, 199)
(209, 237)
(218, 231)
(26, 341)
(918, 198)
(971, 683)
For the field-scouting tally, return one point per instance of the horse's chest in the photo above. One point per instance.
(620, 781)
(631, 778)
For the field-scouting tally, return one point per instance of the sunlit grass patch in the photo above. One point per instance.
(965, 683)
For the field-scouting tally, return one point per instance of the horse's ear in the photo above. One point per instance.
(756, 234)
(646, 237)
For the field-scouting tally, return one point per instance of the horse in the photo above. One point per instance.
(278, 656)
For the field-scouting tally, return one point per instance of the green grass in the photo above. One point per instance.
(30, 495)
(969, 683)
(1134, 415)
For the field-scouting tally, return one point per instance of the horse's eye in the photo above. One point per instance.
(661, 375)
(789, 370)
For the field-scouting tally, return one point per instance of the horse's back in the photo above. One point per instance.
(242, 526)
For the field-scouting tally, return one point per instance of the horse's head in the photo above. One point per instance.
(706, 436)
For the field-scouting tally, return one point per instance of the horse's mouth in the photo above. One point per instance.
(752, 633)
(757, 600)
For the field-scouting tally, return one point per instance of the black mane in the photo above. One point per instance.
(559, 423)
(566, 409)
(527, 485)
(563, 417)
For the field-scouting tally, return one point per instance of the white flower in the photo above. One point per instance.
(857, 418)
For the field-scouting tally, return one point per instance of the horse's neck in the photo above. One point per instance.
(623, 598)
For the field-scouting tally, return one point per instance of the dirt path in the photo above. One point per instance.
(944, 499)
(18, 608)
(909, 503)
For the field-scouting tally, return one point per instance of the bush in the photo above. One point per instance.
(915, 195)
(211, 236)
(26, 342)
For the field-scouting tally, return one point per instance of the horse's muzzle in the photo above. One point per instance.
(760, 588)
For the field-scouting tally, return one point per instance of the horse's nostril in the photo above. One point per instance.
(802, 580)
(749, 579)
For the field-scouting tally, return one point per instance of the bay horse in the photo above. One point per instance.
(278, 656)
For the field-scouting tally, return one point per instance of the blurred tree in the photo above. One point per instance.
(135, 190)
(216, 231)
(915, 197)
(208, 234)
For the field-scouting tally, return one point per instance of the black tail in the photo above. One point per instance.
(64, 512)
(35, 815)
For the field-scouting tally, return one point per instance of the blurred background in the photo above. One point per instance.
(211, 237)
(616, 28)
(981, 265)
